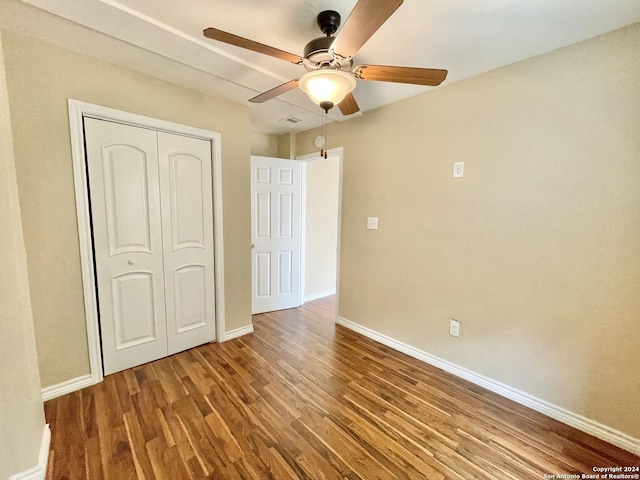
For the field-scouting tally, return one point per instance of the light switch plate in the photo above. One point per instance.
(454, 328)
(458, 169)
(372, 223)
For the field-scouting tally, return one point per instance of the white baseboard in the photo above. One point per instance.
(316, 296)
(238, 332)
(572, 419)
(38, 472)
(68, 386)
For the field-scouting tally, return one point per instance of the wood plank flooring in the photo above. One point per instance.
(303, 398)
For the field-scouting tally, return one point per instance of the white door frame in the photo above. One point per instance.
(77, 111)
(339, 152)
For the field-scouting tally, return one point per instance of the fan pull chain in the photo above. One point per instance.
(323, 150)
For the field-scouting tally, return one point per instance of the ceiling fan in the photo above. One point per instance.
(330, 76)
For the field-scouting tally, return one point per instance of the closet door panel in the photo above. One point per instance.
(122, 163)
(187, 225)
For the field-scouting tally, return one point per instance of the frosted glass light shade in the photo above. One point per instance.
(327, 85)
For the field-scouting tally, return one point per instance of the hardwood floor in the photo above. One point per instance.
(303, 398)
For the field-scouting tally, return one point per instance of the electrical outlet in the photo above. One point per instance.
(372, 223)
(458, 170)
(454, 328)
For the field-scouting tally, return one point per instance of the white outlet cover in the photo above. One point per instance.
(454, 328)
(458, 169)
(372, 223)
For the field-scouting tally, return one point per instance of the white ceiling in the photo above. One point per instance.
(164, 38)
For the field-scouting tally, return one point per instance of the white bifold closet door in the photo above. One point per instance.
(152, 219)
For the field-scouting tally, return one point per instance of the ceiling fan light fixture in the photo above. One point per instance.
(327, 85)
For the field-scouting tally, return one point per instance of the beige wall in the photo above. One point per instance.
(263, 144)
(321, 232)
(41, 78)
(287, 146)
(536, 250)
(21, 411)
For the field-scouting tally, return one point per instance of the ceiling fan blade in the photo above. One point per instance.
(348, 105)
(231, 39)
(274, 92)
(365, 19)
(387, 73)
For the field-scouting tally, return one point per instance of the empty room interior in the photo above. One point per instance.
(320, 239)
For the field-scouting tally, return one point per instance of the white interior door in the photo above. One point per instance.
(125, 205)
(187, 227)
(275, 233)
(151, 206)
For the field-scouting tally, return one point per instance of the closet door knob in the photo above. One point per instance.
(131, 262)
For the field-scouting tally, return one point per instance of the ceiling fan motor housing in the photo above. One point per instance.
(317, 50)
(318, 55)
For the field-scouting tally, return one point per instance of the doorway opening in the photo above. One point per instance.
(295, 229)
(320, 225)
